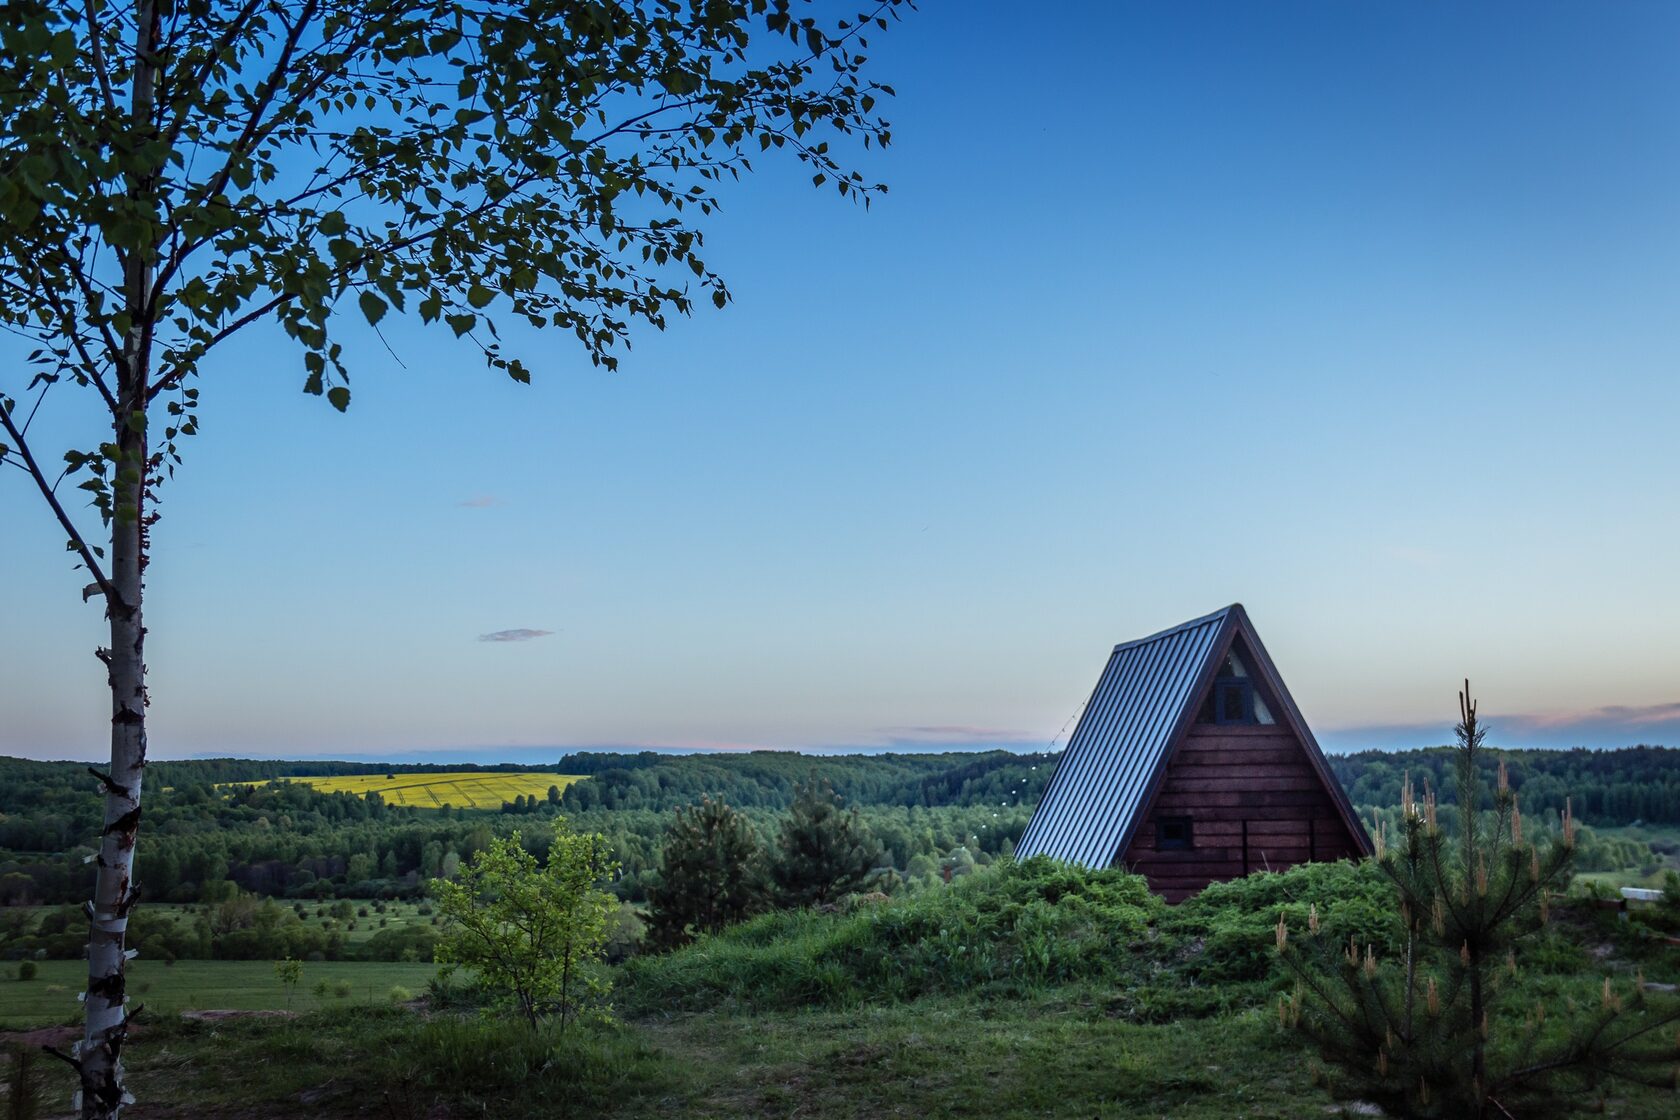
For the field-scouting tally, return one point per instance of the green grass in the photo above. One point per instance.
(50, 998)
(1059, 1054)
(397, 915)
(356, 929)
(1665, 845)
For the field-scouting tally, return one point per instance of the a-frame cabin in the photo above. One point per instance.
(1190, 765)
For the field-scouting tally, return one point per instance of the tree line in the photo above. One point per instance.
(930, 814)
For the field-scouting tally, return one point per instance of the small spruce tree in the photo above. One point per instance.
(1431, 1034)
(825, 852)
(711, 874)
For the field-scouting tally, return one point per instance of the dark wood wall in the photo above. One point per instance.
(1255, 803)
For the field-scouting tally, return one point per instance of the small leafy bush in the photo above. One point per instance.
(1226, 929)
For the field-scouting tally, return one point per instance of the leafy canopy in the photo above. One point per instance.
(461, 159)
(530, 933)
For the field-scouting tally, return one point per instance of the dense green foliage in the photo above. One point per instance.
(1605, 787)
(711, 875)
(1429, 1030)
(226, 849)
(531, 935)
(1019, 925)
(824, 851)
(771, 779)
(285, 840)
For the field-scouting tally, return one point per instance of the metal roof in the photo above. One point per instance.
(1130, 722)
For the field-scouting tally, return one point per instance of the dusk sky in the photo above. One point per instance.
(1365, 316)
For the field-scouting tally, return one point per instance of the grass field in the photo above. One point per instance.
(1058, 1055)
(50, 998)
(368, 917)
(465, 789)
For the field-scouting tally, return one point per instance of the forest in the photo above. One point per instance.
(243, 862)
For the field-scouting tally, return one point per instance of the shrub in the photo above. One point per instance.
(532, 935)
(497, 1062)
(1224, 934)
(27, 970)
(1011, 928)
(399, 994)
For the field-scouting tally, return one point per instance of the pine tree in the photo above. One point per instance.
(1430, 1034)
(711, 874)
(825, 851)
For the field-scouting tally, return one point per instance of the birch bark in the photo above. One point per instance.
(116, 890)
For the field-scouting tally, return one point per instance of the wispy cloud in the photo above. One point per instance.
(519, 635)
(1613, 725)
(1643, 715)
(480, 501)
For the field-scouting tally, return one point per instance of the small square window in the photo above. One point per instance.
(1172, 832)
(1233, 701)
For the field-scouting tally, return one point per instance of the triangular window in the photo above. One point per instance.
(1236, 697)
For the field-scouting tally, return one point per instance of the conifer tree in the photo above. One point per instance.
(1434, 1033)
(711, 874)
(825, 851)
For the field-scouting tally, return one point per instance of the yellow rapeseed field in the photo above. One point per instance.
(463, 789)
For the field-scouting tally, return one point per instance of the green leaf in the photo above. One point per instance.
(374, 308)
(339, 397)
(479, 297)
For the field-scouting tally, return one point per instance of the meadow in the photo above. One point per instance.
(464, 789)
(1021, 991)
(168, 989)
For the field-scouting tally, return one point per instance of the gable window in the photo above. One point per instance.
(1234, 697)
(1233, 701)
(1173, 833)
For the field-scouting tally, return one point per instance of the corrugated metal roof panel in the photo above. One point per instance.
(1126, 728)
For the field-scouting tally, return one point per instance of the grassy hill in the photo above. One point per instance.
(1028, 990)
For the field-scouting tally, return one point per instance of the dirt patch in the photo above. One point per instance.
(219, 1016)
(59, 1037)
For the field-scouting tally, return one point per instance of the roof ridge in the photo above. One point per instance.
(1216, 616)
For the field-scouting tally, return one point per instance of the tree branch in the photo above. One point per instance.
(76, 540)
(98, 51)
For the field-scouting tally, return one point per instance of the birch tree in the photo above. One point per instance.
(173, 172)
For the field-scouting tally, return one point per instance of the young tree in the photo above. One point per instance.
(289, 972)
(825, 851)
(530, 933)
(1429, 1033)
(711, 874)
(174, 171)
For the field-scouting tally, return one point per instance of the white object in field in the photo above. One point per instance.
(1641, 894)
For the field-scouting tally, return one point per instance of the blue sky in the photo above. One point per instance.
(1362, 315)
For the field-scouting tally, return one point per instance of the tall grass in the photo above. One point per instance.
(1016, 927)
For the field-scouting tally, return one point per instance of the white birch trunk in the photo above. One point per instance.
(99, 1056)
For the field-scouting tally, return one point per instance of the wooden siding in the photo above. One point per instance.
(1255, 803)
